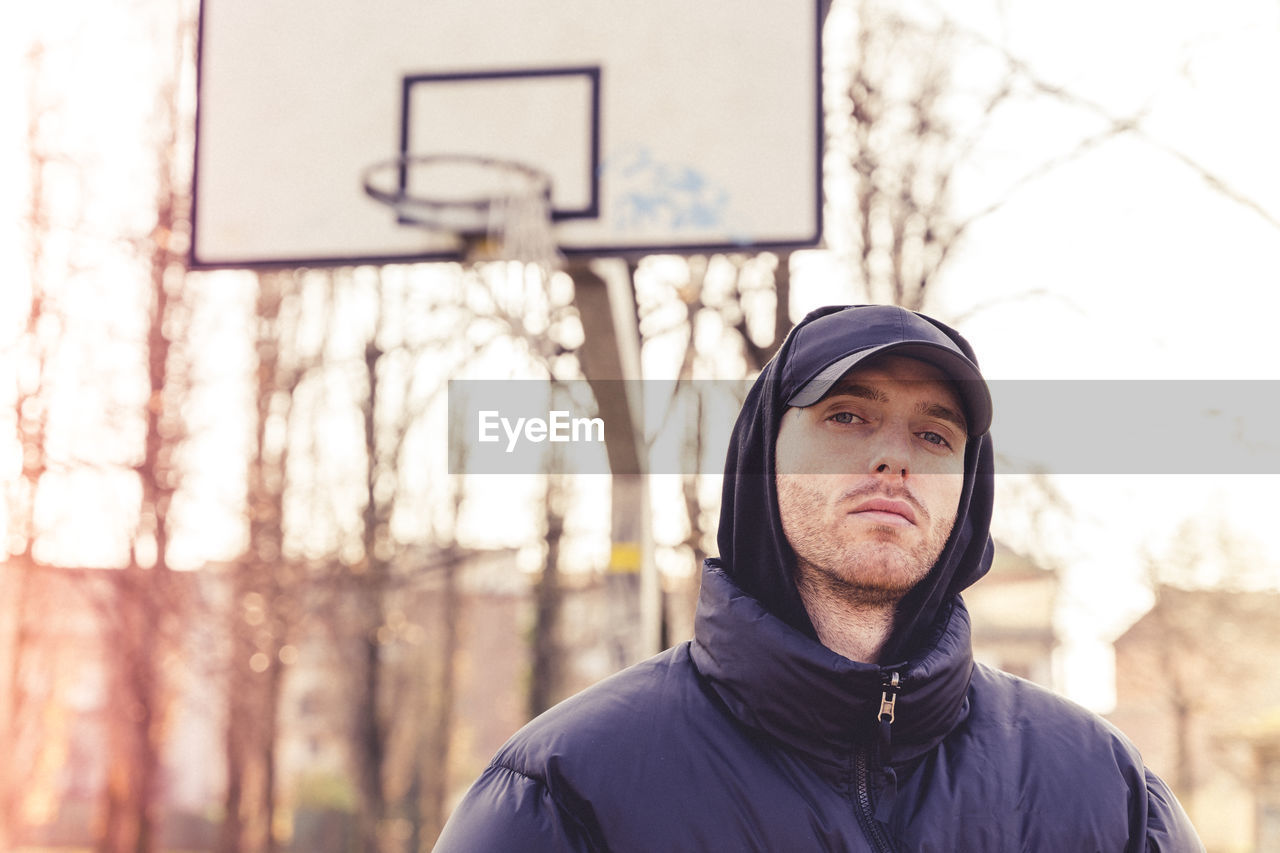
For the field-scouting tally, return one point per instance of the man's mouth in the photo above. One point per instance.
(886, 511)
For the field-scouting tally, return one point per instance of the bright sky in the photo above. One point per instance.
(1139, 269)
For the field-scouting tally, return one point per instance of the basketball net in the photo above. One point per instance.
(519, 229)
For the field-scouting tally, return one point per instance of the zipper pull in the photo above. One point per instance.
(888, 705)
(889, 786)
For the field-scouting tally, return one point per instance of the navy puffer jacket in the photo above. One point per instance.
(756, 737)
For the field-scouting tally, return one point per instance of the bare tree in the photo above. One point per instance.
(904, 125)
(369, 581)
(127, 614)
(268, 586)
(402, 692)
(399, 800)
(546, 676)
(30, 419)
(430, 772)
(142, 618)
(901, 133)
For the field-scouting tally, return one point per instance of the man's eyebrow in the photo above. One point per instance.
(852, 388)
(941, 412)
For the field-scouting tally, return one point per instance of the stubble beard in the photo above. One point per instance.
(874, 570)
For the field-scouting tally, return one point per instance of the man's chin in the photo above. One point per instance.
(887, 567)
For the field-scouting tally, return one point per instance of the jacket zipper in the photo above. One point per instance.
(866, 813)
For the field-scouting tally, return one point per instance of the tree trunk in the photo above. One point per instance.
(265, 598)
(12, 693)
(545, 681)
(433, 770)
(139, 628)
(369, 744)
(370, 581)
(135, 728)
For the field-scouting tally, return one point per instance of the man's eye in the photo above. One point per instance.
(846, 418)
(934, 438)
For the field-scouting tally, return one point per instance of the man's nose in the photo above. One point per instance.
(891, 454)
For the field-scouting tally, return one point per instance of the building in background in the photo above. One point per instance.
(1198, 691)
(1013, 612)
(1264, 737)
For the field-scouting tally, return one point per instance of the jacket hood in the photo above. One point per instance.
(816, 701)
(755, 553)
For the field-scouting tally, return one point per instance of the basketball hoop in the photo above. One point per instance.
(500, 210)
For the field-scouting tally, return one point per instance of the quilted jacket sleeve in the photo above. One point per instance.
(506, 810)
(1169, 830)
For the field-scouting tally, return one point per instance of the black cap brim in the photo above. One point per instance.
(975, 396)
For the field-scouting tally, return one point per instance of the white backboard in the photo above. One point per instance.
(665, 125)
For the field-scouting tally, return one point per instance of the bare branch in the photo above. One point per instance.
(1117, 125)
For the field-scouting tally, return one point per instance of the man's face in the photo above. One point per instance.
(869, 477)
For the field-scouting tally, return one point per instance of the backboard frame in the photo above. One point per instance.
(206, 254)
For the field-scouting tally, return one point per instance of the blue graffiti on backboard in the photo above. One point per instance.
(649, 193)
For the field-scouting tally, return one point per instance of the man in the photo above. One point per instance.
(829, 699)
